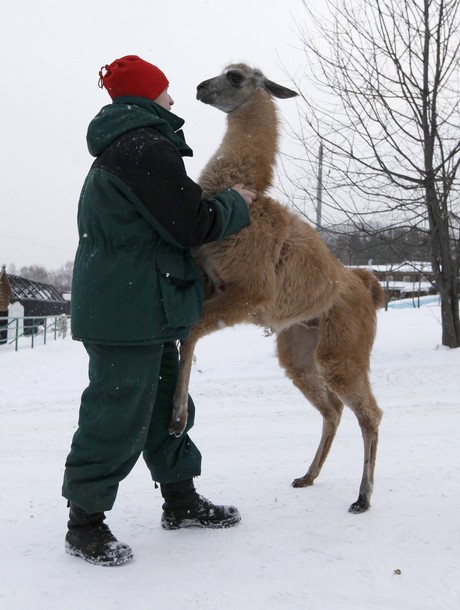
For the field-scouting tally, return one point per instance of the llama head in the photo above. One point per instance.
(235, 86)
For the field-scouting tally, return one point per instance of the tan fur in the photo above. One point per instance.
(278, 273)
(254, 127)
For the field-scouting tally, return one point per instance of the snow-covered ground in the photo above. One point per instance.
(295, 549)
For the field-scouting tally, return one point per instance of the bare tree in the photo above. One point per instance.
(38, 273)
(386, 108)
(61, 279)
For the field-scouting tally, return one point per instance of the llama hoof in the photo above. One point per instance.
(173, 431)
(177, 427)
(302, 482)
(361, 505)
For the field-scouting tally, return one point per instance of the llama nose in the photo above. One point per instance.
(202, 89)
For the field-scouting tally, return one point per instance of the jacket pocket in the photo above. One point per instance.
(182, 289)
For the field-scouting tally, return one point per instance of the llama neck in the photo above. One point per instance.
(248, 150)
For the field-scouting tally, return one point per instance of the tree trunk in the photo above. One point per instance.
(445, 270)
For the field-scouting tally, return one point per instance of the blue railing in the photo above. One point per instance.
(19, 330)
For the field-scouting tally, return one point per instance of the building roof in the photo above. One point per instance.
(24, 289)
(404, 267)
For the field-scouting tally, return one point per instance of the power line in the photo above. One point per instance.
(32, 243)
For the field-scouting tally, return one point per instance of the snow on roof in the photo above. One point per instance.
(404, 267)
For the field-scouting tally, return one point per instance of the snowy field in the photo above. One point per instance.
(296, 549)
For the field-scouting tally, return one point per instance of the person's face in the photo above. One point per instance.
(164, 100)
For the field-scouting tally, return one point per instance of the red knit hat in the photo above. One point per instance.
(131, 75)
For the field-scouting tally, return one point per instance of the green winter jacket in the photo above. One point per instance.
(135, 281)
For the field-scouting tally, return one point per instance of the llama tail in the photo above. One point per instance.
(373, 285)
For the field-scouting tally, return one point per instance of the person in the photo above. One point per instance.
(136, 291)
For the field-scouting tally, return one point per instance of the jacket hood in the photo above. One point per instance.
(128, 113)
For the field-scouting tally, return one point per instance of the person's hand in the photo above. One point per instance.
(247, 195)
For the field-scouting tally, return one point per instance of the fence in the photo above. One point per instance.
(12, 329)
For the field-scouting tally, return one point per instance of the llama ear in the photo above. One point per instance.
(278, 90)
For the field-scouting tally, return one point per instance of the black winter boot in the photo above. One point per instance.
(184, 507)
(89, 538)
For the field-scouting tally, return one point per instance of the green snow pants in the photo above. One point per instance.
(125, 411)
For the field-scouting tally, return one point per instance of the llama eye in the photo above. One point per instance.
(234, 77)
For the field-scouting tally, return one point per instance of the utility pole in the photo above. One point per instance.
(319, 188)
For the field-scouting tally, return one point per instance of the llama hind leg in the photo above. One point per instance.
(296, 353)
(369, 415)
(331, 420)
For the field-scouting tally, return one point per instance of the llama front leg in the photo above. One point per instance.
(226, 309)
(179, 413)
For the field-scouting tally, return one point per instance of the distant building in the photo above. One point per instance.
(6, 292)
(6, 297)
(405, 280)
(20, 297)
(37, 298)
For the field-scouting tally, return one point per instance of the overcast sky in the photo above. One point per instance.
(52, 51)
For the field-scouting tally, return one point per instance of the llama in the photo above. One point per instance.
(277, 273)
